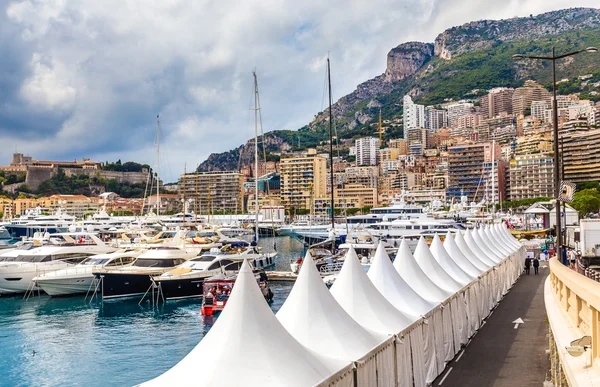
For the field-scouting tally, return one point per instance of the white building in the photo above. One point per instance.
(367, 151)
(457, 110)
(435, 119)
(413, 115)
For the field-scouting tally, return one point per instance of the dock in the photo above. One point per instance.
(284, 276)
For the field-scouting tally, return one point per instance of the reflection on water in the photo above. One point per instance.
(68, 342)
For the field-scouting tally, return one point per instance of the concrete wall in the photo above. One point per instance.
(37, 175)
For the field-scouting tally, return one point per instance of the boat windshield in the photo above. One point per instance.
(33, 258)
(155, 262)
(26, 246)
(95, 261)
(204, 258)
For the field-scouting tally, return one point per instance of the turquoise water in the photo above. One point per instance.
(66, 342)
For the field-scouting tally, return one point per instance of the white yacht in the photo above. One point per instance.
(400, 228)
(61, 251)
(185, 280)
(79, 278)
(135, 280)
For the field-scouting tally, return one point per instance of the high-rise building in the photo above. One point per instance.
(498, 101)
(213, 191)
(538, 110)
(524, 96)
(531, 176)
(474, 171)
(367, 151)
(456, 110)
(413, 115)
(401, 145)
(435, 119)
(303, 178)
(417, 141)
(582, 155)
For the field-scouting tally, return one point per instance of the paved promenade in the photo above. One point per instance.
(500, 355)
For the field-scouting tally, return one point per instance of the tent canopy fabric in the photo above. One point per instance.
(410, 271)
(433, 269)
(355, 292)
(479, 253)
(447, 263)
(389, 283)
(469, 254)
(486, 247)
(460, 258)
(316, 320)
(247, 334)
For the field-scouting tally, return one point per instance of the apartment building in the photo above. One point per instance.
(213, 191)
(435, 119)
(413, 115)
(367, 151)
(523, 97)
(531, 175)
(581, 155)
(303, 178)
(497, 101)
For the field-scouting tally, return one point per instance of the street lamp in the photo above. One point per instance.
(554, 58)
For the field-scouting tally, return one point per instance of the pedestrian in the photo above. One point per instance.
(572, 258)
(536, 265)
(527, 265)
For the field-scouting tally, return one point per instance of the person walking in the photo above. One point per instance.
(527, 265)
(536, 265)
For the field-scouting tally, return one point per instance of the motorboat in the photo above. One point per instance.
(135, 280)
(216, 291)
(4, 234)
(61, 251)
(185, 281)
(79, 278)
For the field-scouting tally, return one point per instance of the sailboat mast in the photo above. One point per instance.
(157, 165)
(184, 176)
(331, 146)
(256, 108)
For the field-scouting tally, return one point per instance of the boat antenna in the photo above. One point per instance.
(331, 147)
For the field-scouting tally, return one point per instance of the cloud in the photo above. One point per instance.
(87, 78)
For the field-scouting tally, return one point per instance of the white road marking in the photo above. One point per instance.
(445, 376)
(460, 355)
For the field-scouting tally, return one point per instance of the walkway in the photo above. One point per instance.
(501, 355)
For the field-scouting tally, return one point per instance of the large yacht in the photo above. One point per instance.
(135, 280)
(185, 280)
(33, 222)
(61, 251)
(79, 278)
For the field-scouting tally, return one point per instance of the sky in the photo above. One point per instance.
(87, 78)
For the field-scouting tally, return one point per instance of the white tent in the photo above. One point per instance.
(362, 301)
(317, 321)
(479, 253)
(447, 263)
(389, 283)
(461, 260)
(247, 335)
(462, 245)
(494, 242)
(486, 246)
(414, 276)
(433, 270)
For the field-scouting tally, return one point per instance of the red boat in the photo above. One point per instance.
(216, 291)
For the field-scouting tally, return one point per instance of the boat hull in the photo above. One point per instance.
(121, 285)
(67, 286)
(173, 289)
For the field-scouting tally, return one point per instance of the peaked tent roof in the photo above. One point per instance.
(447, 263)
(433, 269)
(389, 283)
(410, 271)
(247, 334)
(362, 301)
(503, 231)
(500, 246)
(316, 320)
(460, 259)
(496, 231)
(486, 246)
(470, 254)
(479, 253)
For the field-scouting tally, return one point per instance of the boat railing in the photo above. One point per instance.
(331, 268)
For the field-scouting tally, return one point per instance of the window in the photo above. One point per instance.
(214, 266)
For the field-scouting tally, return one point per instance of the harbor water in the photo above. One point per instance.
(67, 342)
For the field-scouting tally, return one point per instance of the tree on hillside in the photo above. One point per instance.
(586, 201)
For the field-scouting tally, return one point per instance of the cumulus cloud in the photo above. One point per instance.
(87, 78)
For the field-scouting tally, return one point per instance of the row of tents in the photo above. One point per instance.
(397, 325)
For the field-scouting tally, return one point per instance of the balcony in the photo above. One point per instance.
(573, 307)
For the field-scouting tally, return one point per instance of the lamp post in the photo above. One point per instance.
(557, 163)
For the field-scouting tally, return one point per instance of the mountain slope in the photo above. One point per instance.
(462, 62)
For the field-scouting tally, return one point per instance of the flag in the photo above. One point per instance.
(567, 191)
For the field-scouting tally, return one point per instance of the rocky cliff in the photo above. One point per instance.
(474, 56)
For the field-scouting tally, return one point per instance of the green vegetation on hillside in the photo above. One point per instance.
(128, 166)
(88, 186)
